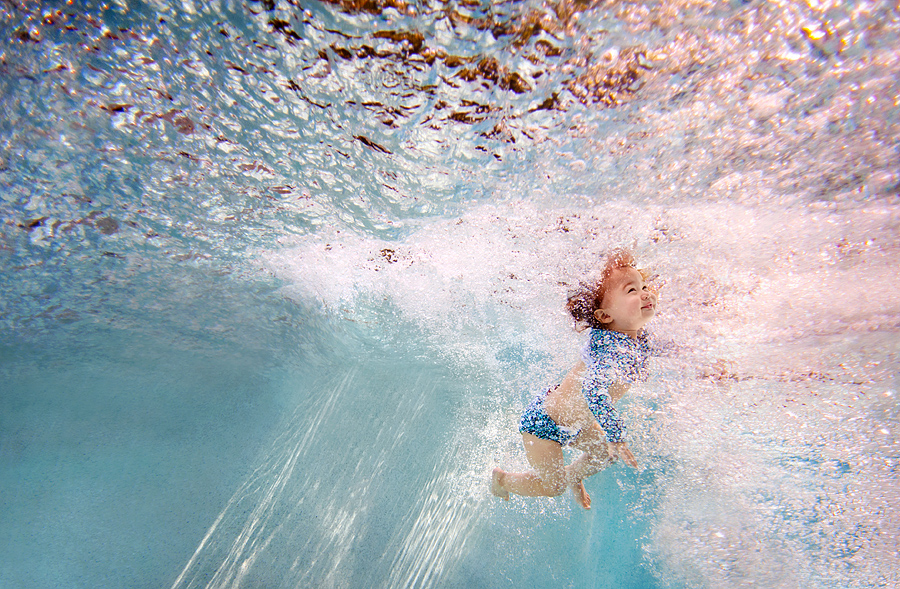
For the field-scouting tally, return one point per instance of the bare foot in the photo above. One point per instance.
(497, 484)
(581, 495)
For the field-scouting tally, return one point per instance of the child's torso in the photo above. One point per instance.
(611, 362)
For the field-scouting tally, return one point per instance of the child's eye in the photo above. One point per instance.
(646, 287)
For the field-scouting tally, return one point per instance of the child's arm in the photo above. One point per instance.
(605, 414)
(593, 436)
(607, 422)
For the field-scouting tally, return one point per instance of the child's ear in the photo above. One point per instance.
(602, 316)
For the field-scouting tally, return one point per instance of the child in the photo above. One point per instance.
(579, 411)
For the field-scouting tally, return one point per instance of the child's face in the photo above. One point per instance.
(628, 304)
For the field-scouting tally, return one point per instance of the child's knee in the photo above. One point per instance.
(556, 487)
(599, 460)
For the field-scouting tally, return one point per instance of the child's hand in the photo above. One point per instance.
(620, 450)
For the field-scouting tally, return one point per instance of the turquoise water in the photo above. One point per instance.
(279, 278)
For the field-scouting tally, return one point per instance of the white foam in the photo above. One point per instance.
(734, 273)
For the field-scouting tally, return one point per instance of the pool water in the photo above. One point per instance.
(280, 277)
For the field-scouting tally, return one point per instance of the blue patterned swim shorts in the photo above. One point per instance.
(536, 422)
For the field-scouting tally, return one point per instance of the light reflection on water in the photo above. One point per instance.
(427, 180)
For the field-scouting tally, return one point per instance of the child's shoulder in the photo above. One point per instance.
(604, 341)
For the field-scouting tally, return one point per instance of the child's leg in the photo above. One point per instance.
(548, 478)
(594, 458)
(586, 465)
